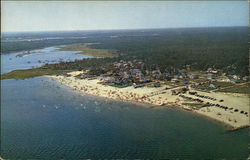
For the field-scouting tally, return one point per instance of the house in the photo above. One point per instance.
(174, 80)
(176, 76)
(117, 65)
(210, 76)
(156, 72)
(188, 67)
(157, 84)
(210, 70)
(235, 80)
(107, 79)
(214, 72)
(140, 76)
(236, 77)
(212, 86)
(193, 76)
(185, 82)
(135, 71)
(147, 72)
(224, 80)
(167, 74)
(183, 75)
(168, 77)
(246, 78)
(125, 75)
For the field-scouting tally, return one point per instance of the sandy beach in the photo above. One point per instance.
(162, 97)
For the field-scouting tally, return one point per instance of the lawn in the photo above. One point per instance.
(218, 85)
(86, 50)
(243, 89)
(30, 73)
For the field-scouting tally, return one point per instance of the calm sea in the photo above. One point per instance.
(41, 119)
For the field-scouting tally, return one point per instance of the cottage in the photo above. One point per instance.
(157, 84)
(246, 78)
(176, 77)
(185, 82)
(235, 80)
(210, 70)
(188, 67)
(224, 80)
(212, 86)
(135, 71)
(117, 65)
(236, 77)
(125, 75)
(108, 79)
(193, 76)
(156, 71)
(184, 75)
(167, 74)
(210, 76)
(214, 72)
(174, 80)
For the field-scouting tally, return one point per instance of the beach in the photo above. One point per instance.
(161, 97)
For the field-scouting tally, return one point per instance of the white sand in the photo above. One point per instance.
(151, 95)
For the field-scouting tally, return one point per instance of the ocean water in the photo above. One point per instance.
(43, 119)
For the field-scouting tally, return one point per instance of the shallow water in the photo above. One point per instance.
(42, 119)
(50, 55)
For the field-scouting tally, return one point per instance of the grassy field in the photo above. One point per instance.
(86, 50)
(30, 73)
(223, 84)
(199, 80)
(217, 84)
(243, 89)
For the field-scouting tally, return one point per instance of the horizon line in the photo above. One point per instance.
(122, 29)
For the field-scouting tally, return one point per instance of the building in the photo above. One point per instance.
(157, 84)
(193, 76)
(212, 86)
(210, 76)
(246, 78)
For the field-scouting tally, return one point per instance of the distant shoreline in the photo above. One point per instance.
(128, 29)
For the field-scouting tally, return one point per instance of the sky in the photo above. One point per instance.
(98, 15)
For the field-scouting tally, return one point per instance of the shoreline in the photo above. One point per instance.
(153, 96)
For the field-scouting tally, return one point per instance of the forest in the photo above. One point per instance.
(202, 48)
(223, 48)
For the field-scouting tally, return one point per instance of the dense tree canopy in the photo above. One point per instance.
(202, 48)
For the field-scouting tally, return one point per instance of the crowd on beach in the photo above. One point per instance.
(159, 96)
(112, 92)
